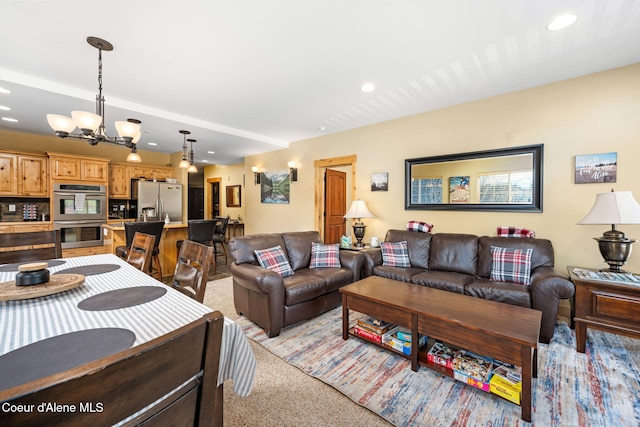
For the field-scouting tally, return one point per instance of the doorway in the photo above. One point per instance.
(345, 162)
(213, 197)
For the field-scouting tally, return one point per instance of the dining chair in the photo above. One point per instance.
(30, 246)
(171, 380)
(192, 269)
(153, 228)
(200, 231)
(219, 236)
(141, 251)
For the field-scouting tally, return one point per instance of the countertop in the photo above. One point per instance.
(120, 226)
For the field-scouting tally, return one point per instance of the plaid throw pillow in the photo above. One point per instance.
(419, 226)
(395, 254)
(511, 265)
(515, 232)
(324, 255)
(274, 259)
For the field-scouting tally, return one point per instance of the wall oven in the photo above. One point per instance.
(78, 212)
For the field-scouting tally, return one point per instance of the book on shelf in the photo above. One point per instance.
(365, 333)
(375, 325)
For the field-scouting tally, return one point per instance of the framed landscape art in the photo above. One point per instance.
(594, 168)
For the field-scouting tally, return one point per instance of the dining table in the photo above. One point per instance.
(116, 307)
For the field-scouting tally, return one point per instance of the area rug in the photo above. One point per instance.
(598, 388)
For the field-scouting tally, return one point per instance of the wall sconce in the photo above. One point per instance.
(293, 171)
(256, 175)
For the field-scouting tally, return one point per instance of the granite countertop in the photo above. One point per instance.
(119, 226)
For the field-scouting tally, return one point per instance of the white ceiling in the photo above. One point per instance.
(250, 76)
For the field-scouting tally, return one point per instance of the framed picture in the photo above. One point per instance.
(380, 181)
(591, 168)
(459, 189)
(275, 187)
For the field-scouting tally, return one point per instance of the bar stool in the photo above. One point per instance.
(153, 228)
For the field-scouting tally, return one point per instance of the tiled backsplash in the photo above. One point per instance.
(18, 210)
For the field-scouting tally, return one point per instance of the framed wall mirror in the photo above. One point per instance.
(234, 193)
(508, 179)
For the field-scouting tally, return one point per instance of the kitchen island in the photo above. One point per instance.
(114, 236)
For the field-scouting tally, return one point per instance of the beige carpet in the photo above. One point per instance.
(283, 395)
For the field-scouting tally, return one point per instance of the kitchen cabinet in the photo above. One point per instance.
(23, 175)
(33, 179)
(25, 227)
(151, 172)
(78, 168)
(119, 181)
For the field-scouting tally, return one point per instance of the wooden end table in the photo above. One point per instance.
(610, 306)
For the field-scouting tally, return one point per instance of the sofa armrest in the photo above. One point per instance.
(258, 279)
(354, 261)
(372, 257)
(547, 288)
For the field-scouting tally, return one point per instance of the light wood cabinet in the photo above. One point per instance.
(33, 179)
(23, 175)
(119, 181)
(8, 174)
(151, 172)
(25, 228)
(78, 168)
(141, 171)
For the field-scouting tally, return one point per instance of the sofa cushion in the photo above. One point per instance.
(445, 280)
(394, 254)
(298, 244)
(454, 252)
(542, 251)
(323, 256)
(418, 245)
(402, 274)
(507, 292)
(515, 232)
(274, 259)
(511, 265)
(307, 284)
(243, 248)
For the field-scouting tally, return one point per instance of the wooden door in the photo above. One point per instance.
(32, 179)
(335, 205)
(8, 174)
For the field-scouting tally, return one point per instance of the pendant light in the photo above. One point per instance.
(192, 166)
(184, 163)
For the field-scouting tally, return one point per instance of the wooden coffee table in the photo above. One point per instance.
(505, 332)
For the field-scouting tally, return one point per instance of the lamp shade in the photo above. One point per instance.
(359, 209)
(86, 121)
(615, 207)
(61, 123)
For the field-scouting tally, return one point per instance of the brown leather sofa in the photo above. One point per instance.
(462, 263)
(272, 301)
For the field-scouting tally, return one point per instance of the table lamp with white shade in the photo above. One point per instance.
(615, 207)
(359, 210)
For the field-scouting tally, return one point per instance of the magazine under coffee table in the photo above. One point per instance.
(505, 332)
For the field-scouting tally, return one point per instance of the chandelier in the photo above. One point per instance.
(91, 125)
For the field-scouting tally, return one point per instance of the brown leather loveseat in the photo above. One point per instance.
(462, 263)
(272, 301)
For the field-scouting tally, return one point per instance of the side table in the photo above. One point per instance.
(607, 305)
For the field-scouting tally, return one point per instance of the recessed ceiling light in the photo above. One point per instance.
(211, 152)
(152, 143)
(368, 87)
(205, 161)
(3, 90)
(2, 107)
(322, 129)
(9, 119)
(562, 21)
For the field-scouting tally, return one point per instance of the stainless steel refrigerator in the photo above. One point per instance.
(156, 200)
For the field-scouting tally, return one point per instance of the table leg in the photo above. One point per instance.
(535, 362)
(526, 355)
(345, 318)
(415, 344)
(581, 337)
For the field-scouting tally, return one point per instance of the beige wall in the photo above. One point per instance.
(229, 175)
(592, 114)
